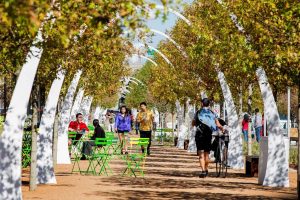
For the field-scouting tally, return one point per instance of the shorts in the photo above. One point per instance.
(203, 143)
(120, 132)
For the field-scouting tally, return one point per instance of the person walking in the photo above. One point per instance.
(245, 127)
(122, 126)
(257, 124)
(145, 119)
(206, 122)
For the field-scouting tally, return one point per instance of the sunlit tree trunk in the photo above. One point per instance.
(298, 172)
(33, 169)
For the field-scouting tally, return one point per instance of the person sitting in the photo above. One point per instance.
(88, 145)
(78, 126)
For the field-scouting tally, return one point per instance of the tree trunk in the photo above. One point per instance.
(275, 93)
(33, 170)
(249, 144)
(241, 100)
(55, 138)
(173, 125)
(5, 105)
(298, 172)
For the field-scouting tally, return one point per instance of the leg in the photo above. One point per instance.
(257, 133)
(245, 132)
(121, 141)
(148, 148)
(124, 142)
(206, 157)
(202, 160)
(142, 135)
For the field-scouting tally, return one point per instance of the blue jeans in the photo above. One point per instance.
(257, 133)
(245, 133)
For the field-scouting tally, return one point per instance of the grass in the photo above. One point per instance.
(255, 148)
(293, 156)
(293, 159)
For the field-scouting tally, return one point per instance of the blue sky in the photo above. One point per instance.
(160, 25)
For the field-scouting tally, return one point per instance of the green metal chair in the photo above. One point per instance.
(75, 151)
(91, 127)
(135, 160)
(99, 160)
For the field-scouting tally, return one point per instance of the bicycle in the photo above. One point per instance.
(221, 153)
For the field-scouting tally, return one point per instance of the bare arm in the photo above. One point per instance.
(219, 125)
(194, 122)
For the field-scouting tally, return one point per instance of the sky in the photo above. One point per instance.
(160, 25)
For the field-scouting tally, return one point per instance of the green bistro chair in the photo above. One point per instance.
(99, 160)
(91, 127)
(75, 151)
(116, 145)
(135, 160)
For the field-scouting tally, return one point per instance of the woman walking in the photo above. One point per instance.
(122, 126)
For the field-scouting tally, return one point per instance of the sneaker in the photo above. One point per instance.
(202, 175)
(206, 173)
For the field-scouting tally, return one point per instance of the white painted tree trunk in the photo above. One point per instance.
(276, 173)
(182, 128)
(97, 113)
(11, 138)
(235, 149)
(192, 132)
(85, 107)
(45, 170)
(76, 104)
(62, 144)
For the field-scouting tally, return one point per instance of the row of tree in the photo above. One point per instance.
(235, 37)
(77, 35)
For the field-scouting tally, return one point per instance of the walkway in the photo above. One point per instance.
(170, 174)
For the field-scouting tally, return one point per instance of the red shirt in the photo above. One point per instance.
(76, 125)
(245, 125)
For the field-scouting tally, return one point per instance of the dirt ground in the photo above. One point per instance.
(170, 174)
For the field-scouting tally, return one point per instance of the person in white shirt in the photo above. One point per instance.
(257, 124)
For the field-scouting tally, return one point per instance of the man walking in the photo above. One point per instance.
(257, 124)
(206, 122)
(145, 119)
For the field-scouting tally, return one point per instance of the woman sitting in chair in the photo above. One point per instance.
(88, 145)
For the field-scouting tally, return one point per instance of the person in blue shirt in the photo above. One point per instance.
(122, 126)
(206, 122)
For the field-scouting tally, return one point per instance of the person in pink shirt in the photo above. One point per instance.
(245, 125)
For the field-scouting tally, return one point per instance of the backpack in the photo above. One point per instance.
(202, 130)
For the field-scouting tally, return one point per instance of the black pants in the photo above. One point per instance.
(146, 134)
(87, 147)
